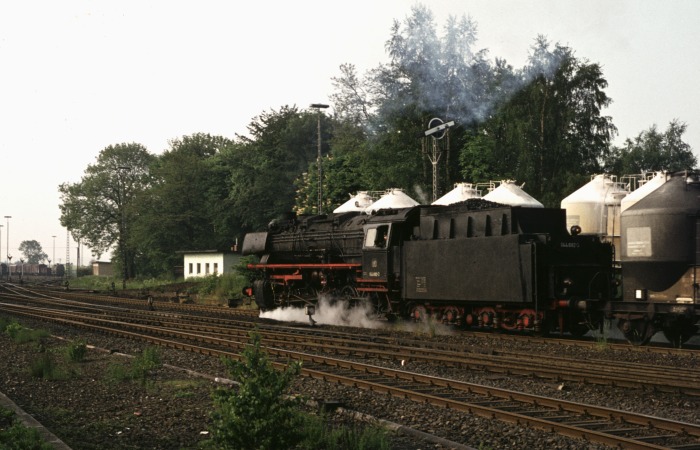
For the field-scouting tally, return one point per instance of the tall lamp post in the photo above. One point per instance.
(319, 107)
(7, 241)
(122, 225)
(54, 251)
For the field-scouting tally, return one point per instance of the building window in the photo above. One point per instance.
(199, 267)
(191, 268)
(206, 269)
(216, 268)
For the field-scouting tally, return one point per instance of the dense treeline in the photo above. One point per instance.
(542, 125)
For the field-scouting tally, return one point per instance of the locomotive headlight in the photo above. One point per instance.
(567, 281)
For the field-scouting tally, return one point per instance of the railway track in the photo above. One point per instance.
(215, 336)
(559, 369)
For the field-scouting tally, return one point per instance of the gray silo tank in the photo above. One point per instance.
(660, 242)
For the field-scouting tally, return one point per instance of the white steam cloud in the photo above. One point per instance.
(328, 312)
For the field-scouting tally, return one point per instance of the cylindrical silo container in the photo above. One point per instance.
(661, 242)
(595, 207)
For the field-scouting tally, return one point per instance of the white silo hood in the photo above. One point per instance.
(357, 202)
(601, 189)
(647, 188)
(594, 207)
(461, 192)
(508, 193)
(392, 199)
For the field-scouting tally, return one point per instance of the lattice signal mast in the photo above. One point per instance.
(438, 130)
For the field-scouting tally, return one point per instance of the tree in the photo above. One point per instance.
(187, 205)
(264, 166)
(255, 415)
(652, 151)
(32, 251)
(549, 129)
(428, 76)
(99, 209)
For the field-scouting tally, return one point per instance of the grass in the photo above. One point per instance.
(183, 388)
(76, 351)
(211, 289)
(319, 433)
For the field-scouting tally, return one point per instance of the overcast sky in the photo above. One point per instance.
(78, 76)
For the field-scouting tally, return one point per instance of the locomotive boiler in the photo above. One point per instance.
(473, 263)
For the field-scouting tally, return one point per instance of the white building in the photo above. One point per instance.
(209, 262)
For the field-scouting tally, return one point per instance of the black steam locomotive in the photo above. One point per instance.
(480, 264)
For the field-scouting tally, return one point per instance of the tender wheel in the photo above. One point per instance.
(637, 331)
(679, 331)
(419, 314)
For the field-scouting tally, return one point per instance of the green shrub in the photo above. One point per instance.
(15, 436)
(255, 414)
(4, 323)
(12, 328)
(144, 363)
(45, 367)
(207, 285)
(76, 351)
(22, 335)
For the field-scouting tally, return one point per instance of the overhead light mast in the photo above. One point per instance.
(319, 107)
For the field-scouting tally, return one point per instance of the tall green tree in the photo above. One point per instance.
(99, 210)
(32, 252)
(652, 150)
(549, 131)
(280, 147)
(429, 74)
(187, 205)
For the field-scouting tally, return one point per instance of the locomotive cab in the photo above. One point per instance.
(375, 255)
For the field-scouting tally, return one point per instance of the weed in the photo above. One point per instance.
(4, 323)
(602, 336)
(45, 367)
(319, 434)
(139, 369)
(12, 329)
(22, 335)
(76, 351)
(13, 435)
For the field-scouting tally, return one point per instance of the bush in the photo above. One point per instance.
(255, 414)
(12, 329)
(4, 323)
